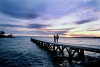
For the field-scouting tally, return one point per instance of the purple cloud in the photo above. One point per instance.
(37, 26)
(39, 14)
(10, 25)
(86, 20)
(21, 9)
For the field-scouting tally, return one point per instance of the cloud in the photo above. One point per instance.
(39, 15)
(26, 9)
(92, 29)
(40, 33)
(45, 8)
(59, 31)
(86, 20)
(86, 34)
(37, 26)
(81, 35)
(9, 25)
(31, 26)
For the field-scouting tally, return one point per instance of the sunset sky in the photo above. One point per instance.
(68, 18)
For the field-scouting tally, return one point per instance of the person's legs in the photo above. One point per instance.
(54, 39)
(57, 39)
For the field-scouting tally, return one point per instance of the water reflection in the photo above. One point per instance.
(60, 62)
(66, 62)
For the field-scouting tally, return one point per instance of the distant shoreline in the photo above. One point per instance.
(83, 37)
(7, 37)
(60, 37)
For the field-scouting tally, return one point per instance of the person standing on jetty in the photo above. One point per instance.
(56, 37)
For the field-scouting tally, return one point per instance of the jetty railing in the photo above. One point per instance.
(56, 48)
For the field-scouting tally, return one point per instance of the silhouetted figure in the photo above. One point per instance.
(57, 37)
(54, 38)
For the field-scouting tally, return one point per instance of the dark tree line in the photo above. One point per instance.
(2, 33)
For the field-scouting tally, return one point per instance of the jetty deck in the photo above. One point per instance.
(71, 49)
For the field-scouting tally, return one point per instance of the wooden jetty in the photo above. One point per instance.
(55, 48)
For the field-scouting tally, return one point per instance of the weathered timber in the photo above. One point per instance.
(59, 48)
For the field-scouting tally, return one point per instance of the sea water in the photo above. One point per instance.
(21, 52)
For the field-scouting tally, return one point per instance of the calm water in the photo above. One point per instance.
(21, 52)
